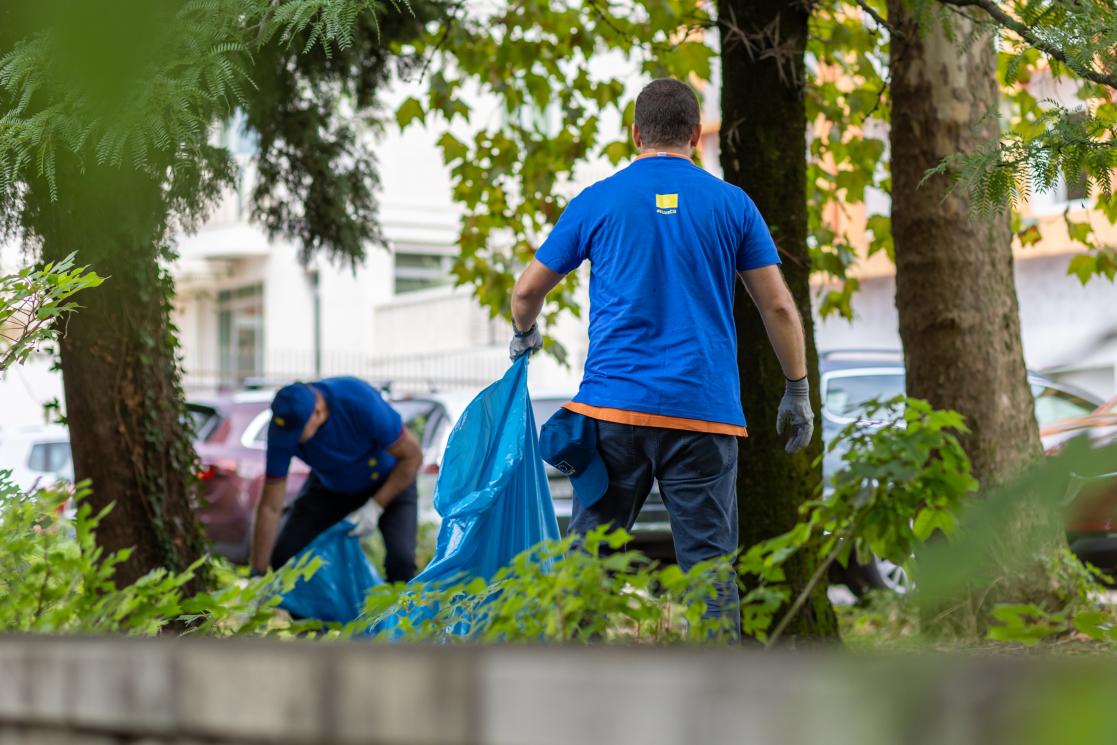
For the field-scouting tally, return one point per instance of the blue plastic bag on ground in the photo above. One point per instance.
(337, 590)
(492, 491)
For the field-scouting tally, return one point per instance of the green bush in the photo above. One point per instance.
(559, 592)
(902, 481)
(55, 579)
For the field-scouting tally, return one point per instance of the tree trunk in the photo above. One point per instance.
(763, 150)
(124, 401)
(955, 290)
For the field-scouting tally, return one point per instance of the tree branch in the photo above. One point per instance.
(878, 17)
(1027, 34)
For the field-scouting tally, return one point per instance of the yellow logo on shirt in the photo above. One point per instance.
(279, 422)
(666, 204)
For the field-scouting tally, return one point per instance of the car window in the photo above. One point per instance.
(58, 458)
(417, 415)
(37, 458)
(204, 420)
(545, 408)
(50, 457)
(1053, 405)
(847, 395)
(261, 436)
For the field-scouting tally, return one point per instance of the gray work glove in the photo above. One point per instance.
(525, 342)
(795, 412)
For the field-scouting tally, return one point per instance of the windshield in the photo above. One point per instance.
(544, 409)
(416, 414)
(1054, 405)
(847, 396)
(203, 419)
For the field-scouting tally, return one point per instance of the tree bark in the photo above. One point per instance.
(124, 401)
(763, 150)
(955, 290)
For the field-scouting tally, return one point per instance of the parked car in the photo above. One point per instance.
(38, 457)
(231, 442)
(431, 418)
(1100, 424)
(1092, 499)
(851, 378)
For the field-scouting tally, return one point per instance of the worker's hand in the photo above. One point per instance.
(366, 518)
(795, 415)
(525, 342)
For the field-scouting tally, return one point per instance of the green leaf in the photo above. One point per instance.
(408, 111)
(1079, 232)
(617, 151)
(452, 148)
(1084, 266)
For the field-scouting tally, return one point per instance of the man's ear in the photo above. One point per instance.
(636, 139)
(696, 137)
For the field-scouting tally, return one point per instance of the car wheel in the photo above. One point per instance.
(879, 574)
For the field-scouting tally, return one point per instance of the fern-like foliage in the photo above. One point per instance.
(143, 87)
(1047, 48)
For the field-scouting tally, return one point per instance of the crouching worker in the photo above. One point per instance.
(359, 453)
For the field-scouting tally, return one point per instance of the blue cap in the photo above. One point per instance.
(568, 442)
(290, 410)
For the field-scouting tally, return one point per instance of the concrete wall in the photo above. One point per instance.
(110, 691)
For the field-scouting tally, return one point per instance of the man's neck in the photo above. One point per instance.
(325, 404)
(668, 150)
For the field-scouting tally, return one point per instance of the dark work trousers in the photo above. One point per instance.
(697, 475)
(317, 508)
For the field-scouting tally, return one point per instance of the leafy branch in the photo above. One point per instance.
(33, 302)
(1029, 33)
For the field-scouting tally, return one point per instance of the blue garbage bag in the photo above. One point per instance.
(492, 491)
(336, 592)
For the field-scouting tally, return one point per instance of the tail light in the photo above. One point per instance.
(1094, 508)
(431, 468)
(210, 471)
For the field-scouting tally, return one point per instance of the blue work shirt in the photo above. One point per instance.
(665, 240)
(348, 453)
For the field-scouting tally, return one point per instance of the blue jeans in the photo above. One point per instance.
(697, 475)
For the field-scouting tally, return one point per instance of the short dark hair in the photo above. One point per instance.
(667, 112)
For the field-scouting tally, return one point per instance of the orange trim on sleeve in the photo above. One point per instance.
(640, 419)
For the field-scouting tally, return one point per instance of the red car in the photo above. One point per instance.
(231, 439)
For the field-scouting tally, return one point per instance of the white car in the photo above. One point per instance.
(38, 457)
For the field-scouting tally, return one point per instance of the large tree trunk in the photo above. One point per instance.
(763, 150)
(955, 291)
(124, 402)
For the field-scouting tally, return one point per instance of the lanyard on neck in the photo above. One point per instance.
(663, 154)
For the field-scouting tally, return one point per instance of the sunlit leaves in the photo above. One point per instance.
(555, 73)
(195, 77)
(847, 108)
(409, 111)
(32, 301)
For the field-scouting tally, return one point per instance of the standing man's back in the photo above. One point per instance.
(660, 396)
(666, 240)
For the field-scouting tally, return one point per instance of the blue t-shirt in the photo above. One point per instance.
(665, 240)
(348, 453)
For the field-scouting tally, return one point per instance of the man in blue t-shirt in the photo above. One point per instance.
(359, 455)
(667, 243)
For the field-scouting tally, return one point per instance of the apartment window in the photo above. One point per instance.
(240, 320)
(418, 269)
(1076, 186)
